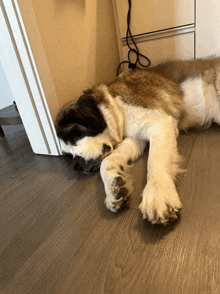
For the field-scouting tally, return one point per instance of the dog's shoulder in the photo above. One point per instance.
(150, 90)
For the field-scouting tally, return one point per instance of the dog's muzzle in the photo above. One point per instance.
(86, 166)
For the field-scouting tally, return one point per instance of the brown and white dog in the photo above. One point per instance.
(109, 125)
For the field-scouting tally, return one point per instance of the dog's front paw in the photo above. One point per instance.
(117, 193)
(116, 187)
(160, 203)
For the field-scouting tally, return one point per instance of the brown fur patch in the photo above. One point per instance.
(150, 90)
(217, 82)
(98, 94)
(209, 76)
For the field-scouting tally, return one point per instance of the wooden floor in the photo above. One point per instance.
(56, 236)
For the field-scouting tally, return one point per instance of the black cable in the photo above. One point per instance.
(135, 51)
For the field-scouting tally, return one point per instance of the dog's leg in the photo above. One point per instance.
(113, 169)
(160, 201)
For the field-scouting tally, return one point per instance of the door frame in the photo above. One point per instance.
(20, 69)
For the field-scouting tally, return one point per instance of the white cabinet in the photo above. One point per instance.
(170, 29)
(207, 28)
(169, 48)
(162, 30)
(154, 15)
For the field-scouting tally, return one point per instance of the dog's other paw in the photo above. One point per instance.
(160, 203)
(117, 193)
(117, 188)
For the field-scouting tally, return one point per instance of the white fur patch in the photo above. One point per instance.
(194, 102)
(212, 106)
(113, 116)
(68, 148)
(201, 103)
(137, 119)
(89, 147)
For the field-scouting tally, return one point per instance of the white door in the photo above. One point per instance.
(19, 66)
(6, 97)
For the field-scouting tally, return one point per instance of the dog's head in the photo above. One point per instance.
(84, 134)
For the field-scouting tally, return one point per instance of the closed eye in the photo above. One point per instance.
(106, 148)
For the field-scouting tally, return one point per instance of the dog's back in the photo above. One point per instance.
(180, 70)
(189, 90)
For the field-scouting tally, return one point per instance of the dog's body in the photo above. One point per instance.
(110, 125)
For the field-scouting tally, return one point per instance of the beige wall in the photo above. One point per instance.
(74, 45)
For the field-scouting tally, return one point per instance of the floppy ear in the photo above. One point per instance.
(82, 118)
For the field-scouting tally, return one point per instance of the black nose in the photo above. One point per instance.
(86, 166)
(78, 167)
(78, 163)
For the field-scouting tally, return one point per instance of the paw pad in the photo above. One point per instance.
(121, 193)
(118, 182)
(118, 189)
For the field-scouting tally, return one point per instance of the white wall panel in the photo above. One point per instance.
(160, 50)
(207, 28)
(153, 15)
